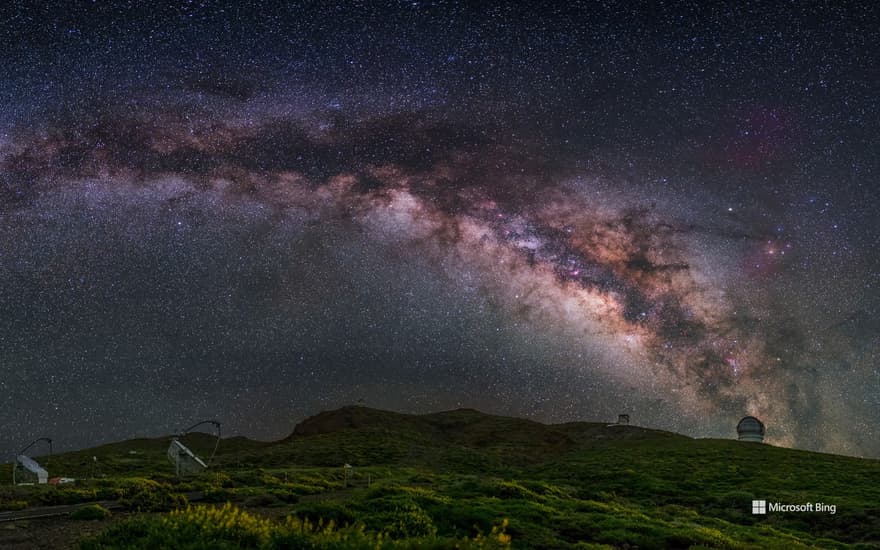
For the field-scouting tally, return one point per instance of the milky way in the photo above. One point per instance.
(209, 243)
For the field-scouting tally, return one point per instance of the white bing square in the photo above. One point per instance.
(759, 506)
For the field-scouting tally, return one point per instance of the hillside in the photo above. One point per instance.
(457, 473)
(458, 440)
(471, 427)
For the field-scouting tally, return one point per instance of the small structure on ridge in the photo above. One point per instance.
(750, 429)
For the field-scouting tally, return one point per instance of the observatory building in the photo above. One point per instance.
(750, 429)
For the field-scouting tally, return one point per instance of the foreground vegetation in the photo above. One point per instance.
(463, 479)
(227, 527)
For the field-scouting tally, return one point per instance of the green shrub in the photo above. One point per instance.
(220, 479)
(509, 490)
(408, 520)
(463, 518)
(150, 501)
(146, 495)
(127, 535)
(67, 495)
(422, 478)
(319, 512)
(90, 512)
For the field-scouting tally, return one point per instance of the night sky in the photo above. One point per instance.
(561, 212)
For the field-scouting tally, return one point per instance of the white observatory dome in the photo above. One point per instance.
(750, 429)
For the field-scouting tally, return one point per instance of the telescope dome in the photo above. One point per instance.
(750, 429)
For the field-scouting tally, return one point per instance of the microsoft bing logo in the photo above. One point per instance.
(759, 506)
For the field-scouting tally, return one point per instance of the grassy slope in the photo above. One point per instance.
(558, 485)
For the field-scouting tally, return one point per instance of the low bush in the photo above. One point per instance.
(324, 511)
(220, 479)
(90, 512)
(405, 520)
(146, 495)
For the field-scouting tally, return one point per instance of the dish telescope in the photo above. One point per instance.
(185, 461)
(27, 468)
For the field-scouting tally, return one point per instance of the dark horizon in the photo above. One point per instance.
(60, 449)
